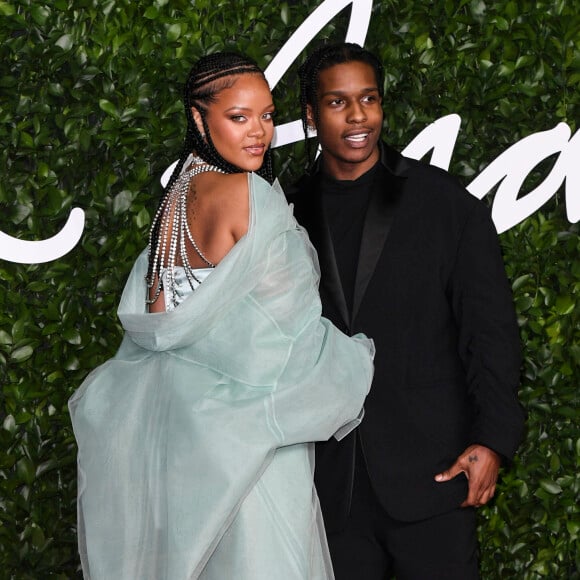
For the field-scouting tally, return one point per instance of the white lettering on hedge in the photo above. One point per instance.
(357, 31)
(509, 170)
(440, 136)
(358, 26)
(37, 252)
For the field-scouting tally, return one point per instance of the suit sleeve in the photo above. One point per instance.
(489, 343)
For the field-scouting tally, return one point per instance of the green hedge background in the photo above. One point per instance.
(90, 116)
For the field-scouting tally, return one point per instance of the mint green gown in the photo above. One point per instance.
(195, 454)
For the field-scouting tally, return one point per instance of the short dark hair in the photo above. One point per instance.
(324, 57)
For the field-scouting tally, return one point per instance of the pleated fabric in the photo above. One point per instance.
(194, 442)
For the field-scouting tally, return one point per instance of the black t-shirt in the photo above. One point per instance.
(345, 205)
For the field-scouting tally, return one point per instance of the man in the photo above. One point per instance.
(410, 258)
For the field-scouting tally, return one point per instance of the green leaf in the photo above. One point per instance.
(573, 528)
(22, 354)
(550, 486)
(520, 281)
(7, 9)
(565, 304)
(501, 23)
(174, 32)
(523, 303)
(25, 470)
(142, 218)
(284, 13)
(109, 108)
(5, 338)
(151, 13)
(506, 69)
(40, 14)
(122, 202)
(37, 537)
(9, 423)
(72, 336)
(65, 42)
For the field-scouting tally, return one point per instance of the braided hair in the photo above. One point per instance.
(325, 57)
(209, 76)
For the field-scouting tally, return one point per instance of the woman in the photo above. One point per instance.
(194, 459)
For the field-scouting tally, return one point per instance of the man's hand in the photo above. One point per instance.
(481, 466)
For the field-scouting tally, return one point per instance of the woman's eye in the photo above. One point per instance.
(238, 118)
(269, 116)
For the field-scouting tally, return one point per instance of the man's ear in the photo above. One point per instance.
(310, 118)
(198, 120)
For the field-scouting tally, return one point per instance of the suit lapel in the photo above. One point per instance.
(383, 204)
(378, 221)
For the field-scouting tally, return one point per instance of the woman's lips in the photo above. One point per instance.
(257, 150)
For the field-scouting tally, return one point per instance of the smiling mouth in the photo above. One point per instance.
(255, 149)
(357, 137)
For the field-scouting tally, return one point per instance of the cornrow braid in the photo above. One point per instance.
(209, 76)
(324, 57)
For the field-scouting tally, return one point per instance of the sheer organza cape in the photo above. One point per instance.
(193, 453)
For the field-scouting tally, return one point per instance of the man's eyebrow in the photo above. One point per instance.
(340, 92)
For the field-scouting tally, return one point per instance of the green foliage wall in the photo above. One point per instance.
(90, 117)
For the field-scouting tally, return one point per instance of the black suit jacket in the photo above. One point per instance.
(431, 291)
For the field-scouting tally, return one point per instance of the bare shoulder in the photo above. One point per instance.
(224, 199)
(224, 188)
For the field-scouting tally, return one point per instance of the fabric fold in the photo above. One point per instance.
(194, 454)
